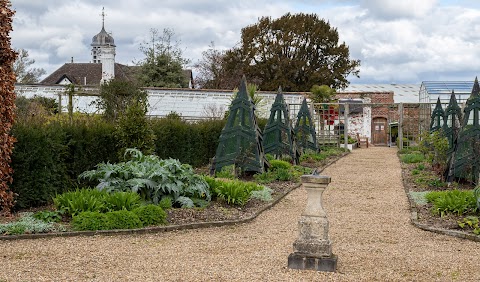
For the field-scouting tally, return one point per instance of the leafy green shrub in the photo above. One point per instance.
(134, 131)
(263, 195)
(81, 200)
(151, 215)
(48, 216)
(412, 158)
(90, 221)
(279, 164)
(123, 220)
(435, 146)
(28, 224)
(152, 178)
(452, 201)
(122, 200)
(421, 167)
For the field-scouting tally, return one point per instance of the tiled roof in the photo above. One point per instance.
(91, 73)
(88, 73)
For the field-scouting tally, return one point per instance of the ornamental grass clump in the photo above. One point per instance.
(234, 192)
(152, 178)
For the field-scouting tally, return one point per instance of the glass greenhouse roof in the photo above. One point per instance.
(431, 90)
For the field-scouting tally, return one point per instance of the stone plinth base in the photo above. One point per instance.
(302, 261)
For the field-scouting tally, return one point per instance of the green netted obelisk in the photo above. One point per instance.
(453, 122)
(305, 130)
(240, 142)
(466, 162)
(453, 116)
(278, 136)
(437, 120)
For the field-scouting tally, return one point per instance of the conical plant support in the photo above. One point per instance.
(437, 120)
(305, 130)
(278, 136)
(453, 115)
(466, 160)
(240, 142)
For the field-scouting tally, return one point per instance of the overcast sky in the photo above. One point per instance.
(397, 41)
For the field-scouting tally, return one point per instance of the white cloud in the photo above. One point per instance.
(396, 40)
(393, 9)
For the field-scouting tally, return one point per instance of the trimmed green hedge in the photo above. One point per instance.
(192, 143)
(50, 153)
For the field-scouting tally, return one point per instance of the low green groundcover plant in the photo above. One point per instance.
(412, 158)
(93, 200)
(152, 178)
(142, 216)
(123, 220)
(470, 222)
(29, 225)
(452, 201)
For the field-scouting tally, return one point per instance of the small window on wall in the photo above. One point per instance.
(355, 106)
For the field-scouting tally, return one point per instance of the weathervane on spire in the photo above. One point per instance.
(103, 17)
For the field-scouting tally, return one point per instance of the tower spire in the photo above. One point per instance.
(103, 17)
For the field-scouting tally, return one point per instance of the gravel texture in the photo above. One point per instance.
(369, 226)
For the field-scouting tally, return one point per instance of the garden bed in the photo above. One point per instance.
(419, 182)
(216, 212)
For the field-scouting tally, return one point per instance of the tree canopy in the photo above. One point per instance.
(22, 68)
(295, 52)
(163, 62)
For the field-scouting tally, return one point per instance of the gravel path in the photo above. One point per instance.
(369, 227)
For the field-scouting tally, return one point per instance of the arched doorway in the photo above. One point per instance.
(379, 131)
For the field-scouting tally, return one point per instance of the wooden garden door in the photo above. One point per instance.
(379, 131)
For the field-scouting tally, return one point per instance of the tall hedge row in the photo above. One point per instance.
(49, 155)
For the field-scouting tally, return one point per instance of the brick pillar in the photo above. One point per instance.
(313, 249)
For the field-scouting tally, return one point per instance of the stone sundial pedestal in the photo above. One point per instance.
(313, 249)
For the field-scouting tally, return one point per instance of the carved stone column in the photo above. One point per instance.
(313, 249)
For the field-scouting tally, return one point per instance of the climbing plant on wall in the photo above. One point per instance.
(7, 106)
